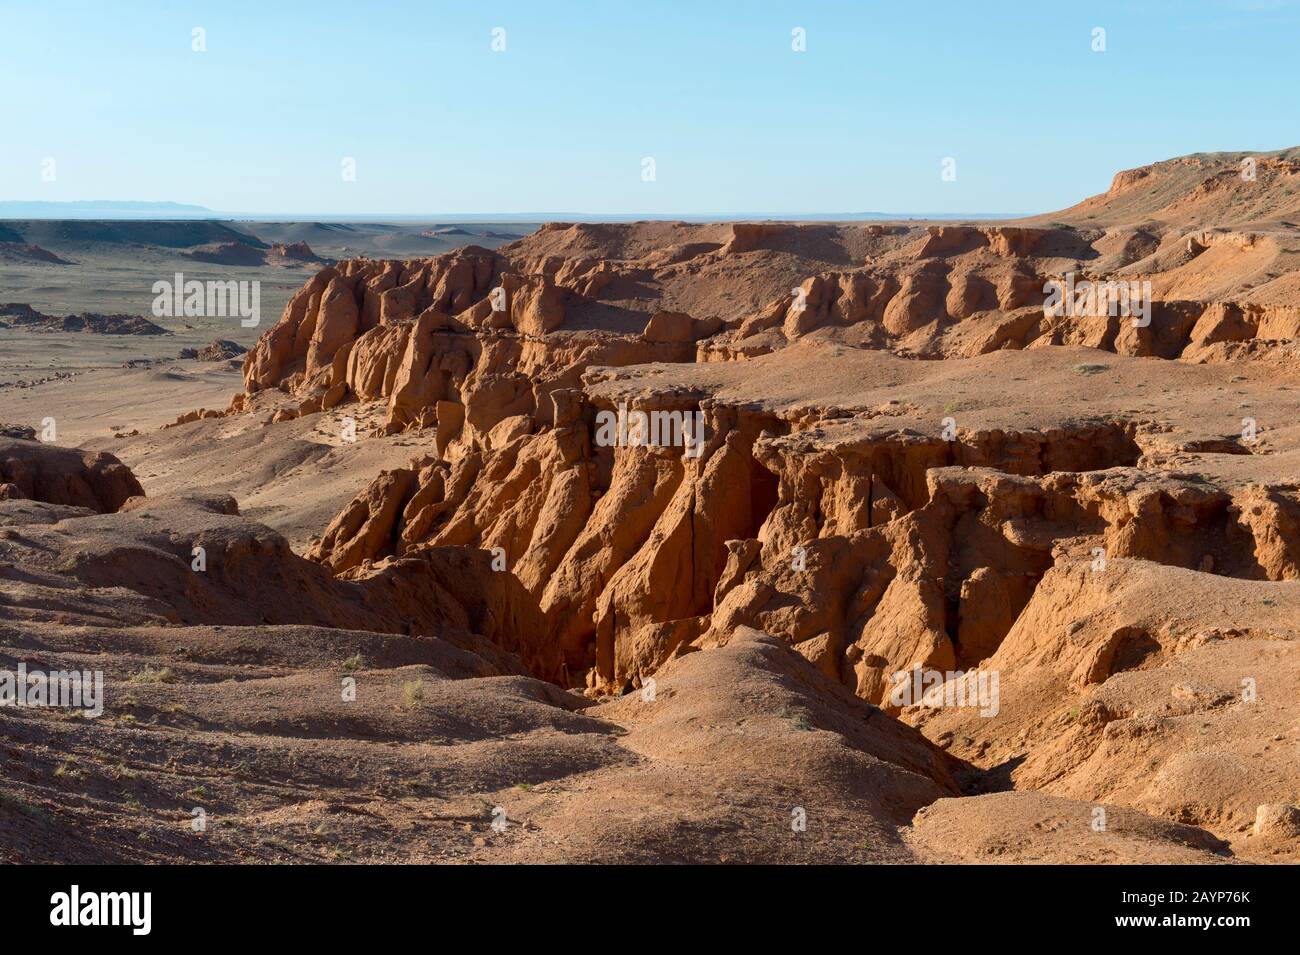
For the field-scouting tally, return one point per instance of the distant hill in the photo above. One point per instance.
(82, 233)
(101, 209)
(1225, 190)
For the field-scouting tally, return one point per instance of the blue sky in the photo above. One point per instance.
(736, 121)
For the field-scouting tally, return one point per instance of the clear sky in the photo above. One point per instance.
(736, 121)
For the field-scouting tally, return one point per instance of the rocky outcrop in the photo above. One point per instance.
(18, 315)
(497, 331)
(872, 551)
(31, 470)
(292, 252)
(219, 349)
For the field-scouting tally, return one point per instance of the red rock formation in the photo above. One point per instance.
(42, 472)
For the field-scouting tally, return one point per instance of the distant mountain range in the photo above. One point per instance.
(102, 209)
(115, 209)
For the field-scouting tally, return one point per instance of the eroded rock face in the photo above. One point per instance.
(1188, 676)
(502, 329)
(873, 549)
(43, 472)
(626, 547)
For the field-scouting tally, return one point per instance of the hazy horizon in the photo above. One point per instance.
(163, 210)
